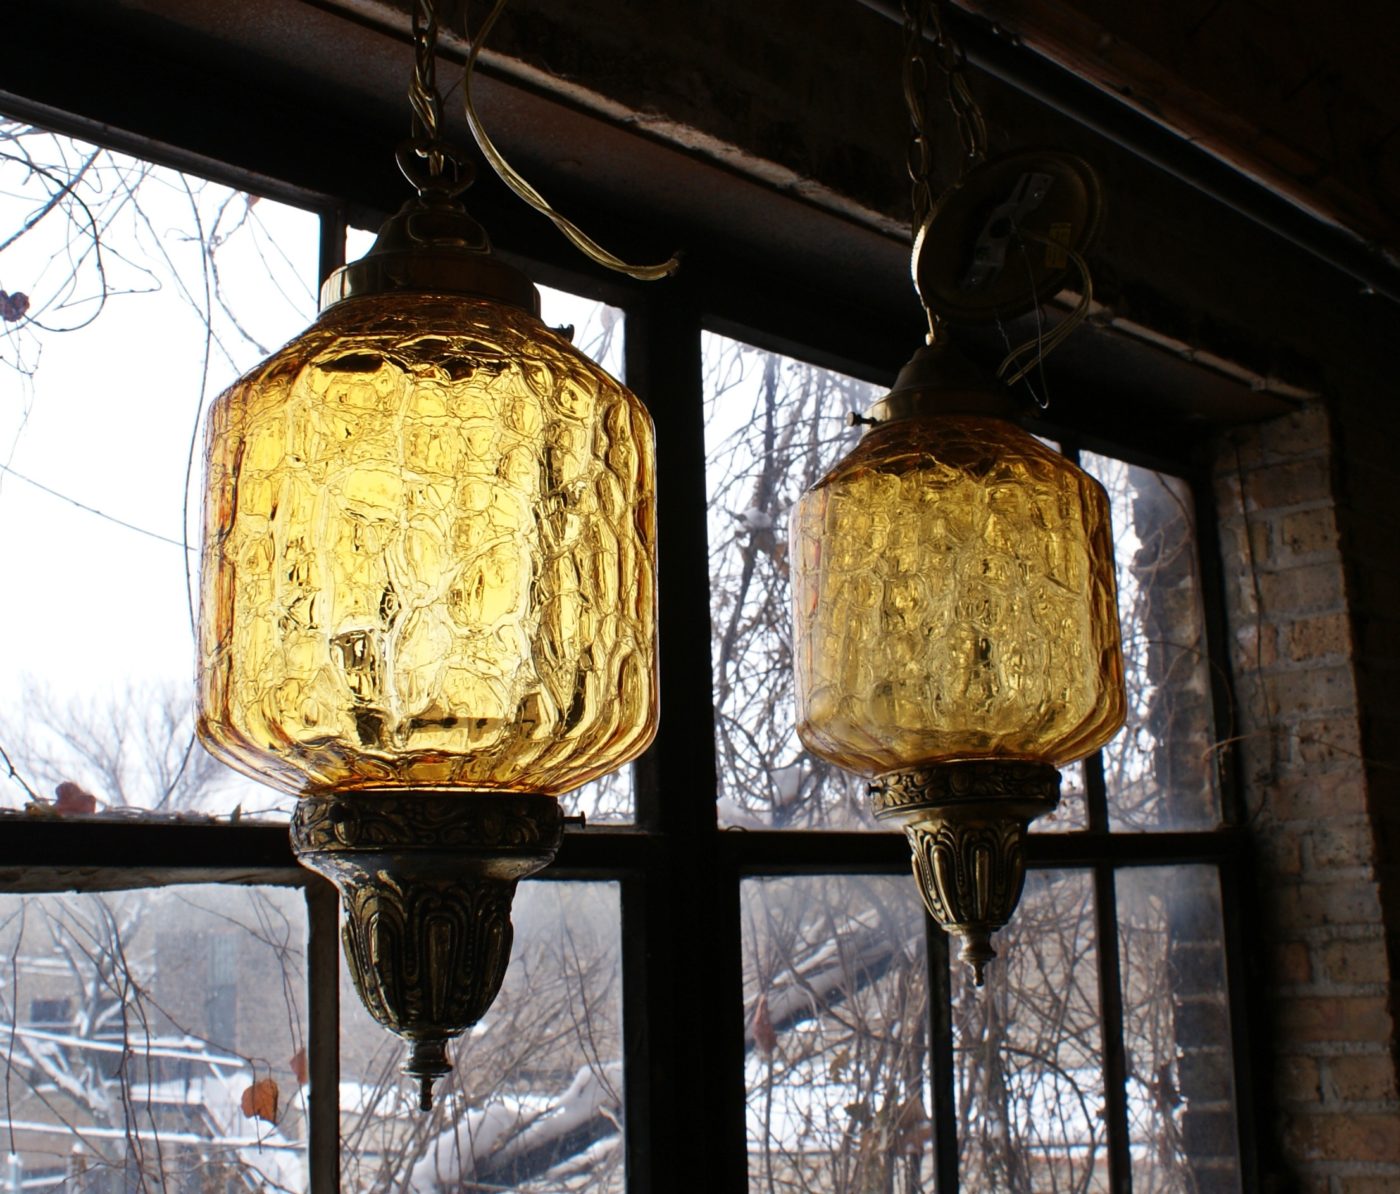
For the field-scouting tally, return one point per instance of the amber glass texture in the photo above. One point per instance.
(429, 557)
(954, 599)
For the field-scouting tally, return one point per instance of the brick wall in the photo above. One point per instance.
(1323, 947)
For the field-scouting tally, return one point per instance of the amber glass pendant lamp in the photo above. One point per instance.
(428, 593)
(956, 630)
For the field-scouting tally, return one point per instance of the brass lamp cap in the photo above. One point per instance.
(940, 380)
(431, 246)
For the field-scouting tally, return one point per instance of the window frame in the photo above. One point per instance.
(679, 872)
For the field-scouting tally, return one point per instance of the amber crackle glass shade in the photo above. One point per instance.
(430, 557)
(954, 601)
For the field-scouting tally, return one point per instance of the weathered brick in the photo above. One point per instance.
(1299, 433)
(1361, 1078)
(1355, 961)
(1290, 964)
(1312, 905)
(1299, 1079)
(1307, 531)
(1318, 637)
(1348, 844)
(1261, 541)
(1317, 797)
(1334, 1018)
(1207, 1075)
(1368, 1184)
(1202, 1025)
(1342, 1137)
(1218, 1179)
(1257, 644)
(1209, 1133)
(1228, 486)
(1295, 483)
(1312, 690)
(1312, 587)
(1282, 855)
(1328, 739)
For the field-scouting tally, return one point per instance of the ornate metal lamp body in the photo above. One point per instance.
(956, 632)
(428, 603)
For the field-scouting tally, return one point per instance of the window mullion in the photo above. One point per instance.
(323, 1033)
(1111, 1019)
(691, 1028)
(332, 246)
(941, 1061)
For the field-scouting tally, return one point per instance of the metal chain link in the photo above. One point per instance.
(948, 55)
(972, 128)
(919, 158)
(422, 89)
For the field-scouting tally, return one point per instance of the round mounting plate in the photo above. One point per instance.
(992, 248)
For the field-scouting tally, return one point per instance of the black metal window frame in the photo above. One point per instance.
(679, 872)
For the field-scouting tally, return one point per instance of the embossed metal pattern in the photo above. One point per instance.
(371, 822)
(954, 599)
(972, 782)
(426, 880)
(429, 557)
(971, 874)
(427, 958)
(966, 824)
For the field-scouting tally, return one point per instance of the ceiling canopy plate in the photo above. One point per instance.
(995, 245)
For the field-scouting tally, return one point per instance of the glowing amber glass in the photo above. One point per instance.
(429, 557)
(954, 599)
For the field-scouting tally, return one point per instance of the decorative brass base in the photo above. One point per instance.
(427, 880)
(966, 824)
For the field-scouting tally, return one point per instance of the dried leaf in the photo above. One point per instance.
(298, 1064)
(763, 1035)
(260, 1100)
(74, 800)
(13, 306)
(839, 1063)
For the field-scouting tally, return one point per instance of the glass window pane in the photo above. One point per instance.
(598, 328)
(156, 1039)
(1073, 810)
(534, 1102)
(148, 292)
(1160, 770)
(1028, 1049)
(1176, 1030)
(836, 1001)
(773, 426)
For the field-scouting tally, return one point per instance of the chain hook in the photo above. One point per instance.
(425, 164)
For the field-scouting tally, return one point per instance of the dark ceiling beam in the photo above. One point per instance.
(1017, 65)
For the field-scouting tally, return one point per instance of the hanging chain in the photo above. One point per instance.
(921, 17)
(427, 145)
(422, 89)
(920, 153)
(949, 54)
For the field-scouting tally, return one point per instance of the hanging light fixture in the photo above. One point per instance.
(428, 589)
(955, 621)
